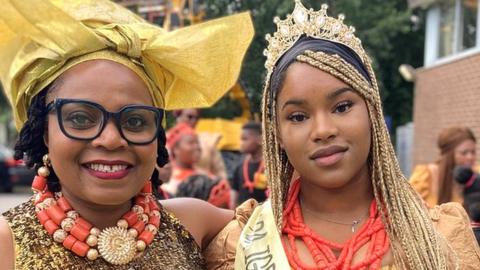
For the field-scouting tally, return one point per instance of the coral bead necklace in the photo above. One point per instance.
(117, 245)
(372, 233)
(247, 182)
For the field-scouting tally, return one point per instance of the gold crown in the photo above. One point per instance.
(315, 24)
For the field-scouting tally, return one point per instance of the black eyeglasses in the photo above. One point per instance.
(85, 120)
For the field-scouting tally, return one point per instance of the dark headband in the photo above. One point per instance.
(317, 45)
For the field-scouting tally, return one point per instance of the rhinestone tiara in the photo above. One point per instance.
(315, 24)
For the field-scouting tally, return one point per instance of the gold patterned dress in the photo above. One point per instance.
(173, 247)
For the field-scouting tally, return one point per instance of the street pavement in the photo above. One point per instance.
(9, 200)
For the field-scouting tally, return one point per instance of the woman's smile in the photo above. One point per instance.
(108, 170)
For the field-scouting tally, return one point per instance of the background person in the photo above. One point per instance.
(249, 181)
(185, 150)
(210, 159)
(434, 182)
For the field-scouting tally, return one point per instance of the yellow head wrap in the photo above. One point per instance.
(186, 68)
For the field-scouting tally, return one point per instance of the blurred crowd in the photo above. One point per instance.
(196, 168)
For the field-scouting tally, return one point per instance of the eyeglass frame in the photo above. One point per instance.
(57, 104)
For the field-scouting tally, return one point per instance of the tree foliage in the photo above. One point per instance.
(384, 27)
(3, 100)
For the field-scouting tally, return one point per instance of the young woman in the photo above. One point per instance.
(87, 81)
(435, 182)
(350, 207)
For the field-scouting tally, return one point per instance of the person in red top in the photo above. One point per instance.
(210, 159)
(248, 178)
(185, 151)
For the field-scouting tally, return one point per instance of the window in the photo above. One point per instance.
(451, 29)
(447, 29)
(469, 11)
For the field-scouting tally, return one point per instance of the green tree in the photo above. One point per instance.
(5, 110)
(3, 100)
(383, 26)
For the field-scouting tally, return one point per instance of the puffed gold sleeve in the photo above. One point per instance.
(220, 253)
(452, 222)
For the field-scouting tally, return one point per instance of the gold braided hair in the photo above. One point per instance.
(415, 242)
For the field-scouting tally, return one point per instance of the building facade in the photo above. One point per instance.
(447, 87)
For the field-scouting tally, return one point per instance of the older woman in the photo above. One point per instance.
(88, 82)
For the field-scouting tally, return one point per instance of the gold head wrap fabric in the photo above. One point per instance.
(415, 242)
(188, 68)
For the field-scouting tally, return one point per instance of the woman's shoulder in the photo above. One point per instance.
(450, 215)
(452, 222)
(7, 248)
(220, 253)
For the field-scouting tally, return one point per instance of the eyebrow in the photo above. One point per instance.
(333, 95)
(338, 92)
(297, 102)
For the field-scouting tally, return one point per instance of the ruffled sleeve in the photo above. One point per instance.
(421, 181)
(220, 253)
(451, 221)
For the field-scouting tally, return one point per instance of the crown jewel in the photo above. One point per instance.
(315, 24)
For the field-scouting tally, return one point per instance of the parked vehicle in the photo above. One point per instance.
(13, 172)
(20, 174)
(5, 161)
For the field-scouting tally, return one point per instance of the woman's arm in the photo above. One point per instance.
(7, 250)
(200, 218)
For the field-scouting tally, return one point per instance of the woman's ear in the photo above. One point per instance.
(45, 134)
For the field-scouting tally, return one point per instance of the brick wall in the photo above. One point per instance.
(445, 95)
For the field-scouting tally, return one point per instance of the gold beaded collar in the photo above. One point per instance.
(315, 24)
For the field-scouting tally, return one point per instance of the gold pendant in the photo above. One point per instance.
(116, 246)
